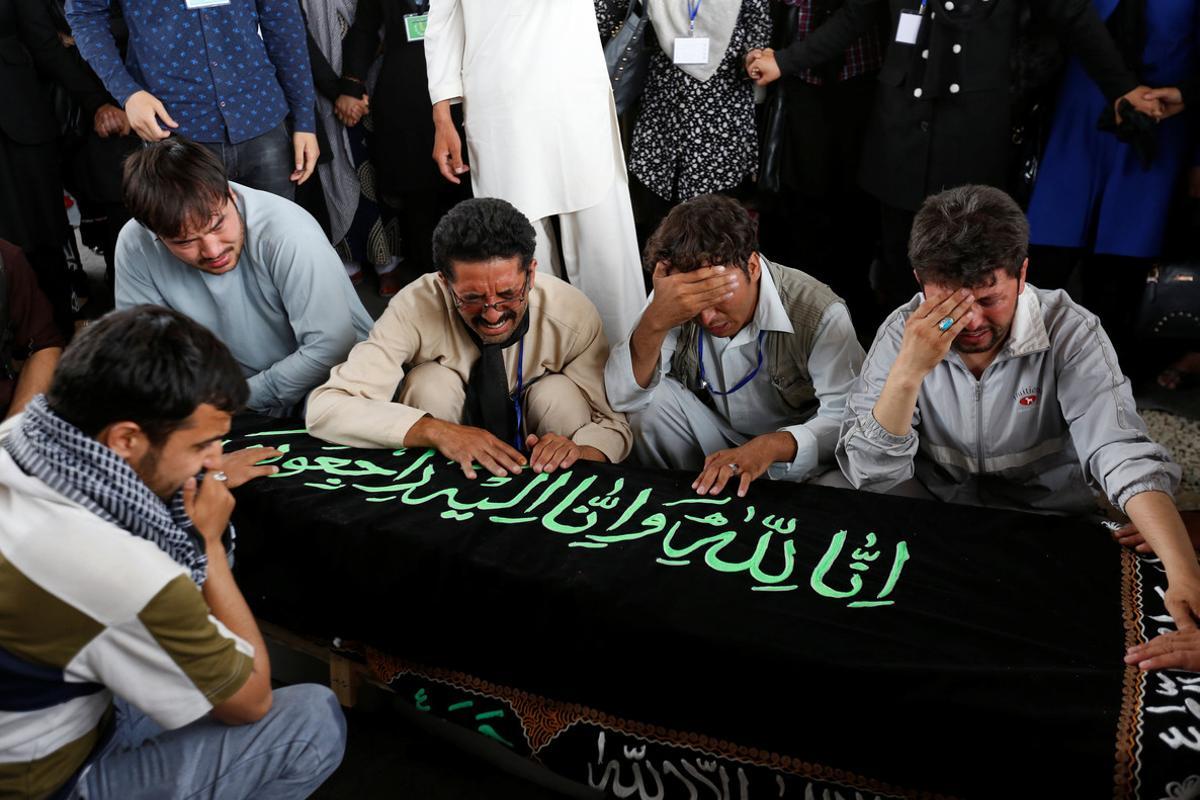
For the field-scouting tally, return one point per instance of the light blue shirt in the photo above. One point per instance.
(757, 408)
(287, 311)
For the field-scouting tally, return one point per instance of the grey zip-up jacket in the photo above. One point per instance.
(1051, 420)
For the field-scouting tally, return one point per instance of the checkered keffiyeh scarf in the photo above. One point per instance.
(81, 469)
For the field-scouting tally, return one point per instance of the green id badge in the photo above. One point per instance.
(414, 26)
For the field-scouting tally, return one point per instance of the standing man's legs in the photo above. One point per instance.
(265, 162)
(286, 754)
(599, 256)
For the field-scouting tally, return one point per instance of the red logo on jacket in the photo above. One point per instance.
(1028, 400)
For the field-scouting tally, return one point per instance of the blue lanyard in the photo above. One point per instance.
(519, 442)
(921, 10)
(693, 10)
(704, 384)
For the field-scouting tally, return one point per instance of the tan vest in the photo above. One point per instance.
(805, 299)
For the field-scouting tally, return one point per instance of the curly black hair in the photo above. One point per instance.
(709, 230)
(482, 229)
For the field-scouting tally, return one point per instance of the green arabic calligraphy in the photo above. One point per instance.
(573, 506)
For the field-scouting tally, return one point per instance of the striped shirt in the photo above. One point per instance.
(88, 611)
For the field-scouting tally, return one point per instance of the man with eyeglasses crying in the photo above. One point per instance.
(738, 367)
(485, 360)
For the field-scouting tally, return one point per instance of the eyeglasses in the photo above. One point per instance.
(480, 307)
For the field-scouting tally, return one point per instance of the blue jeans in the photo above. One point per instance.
(265, 162)
(286, 754)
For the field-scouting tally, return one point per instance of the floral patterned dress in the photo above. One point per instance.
(692, 138)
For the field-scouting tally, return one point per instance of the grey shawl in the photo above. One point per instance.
(715, 20)
(328, 21)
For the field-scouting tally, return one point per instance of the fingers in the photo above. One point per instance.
(161, 112)
(554, 452)
(714, 477)
(543, 455)
(1181, 612)
(573, 454)
(147, 128)
(245, 474)
(538, 450)
(189, 498)
(492, 464)
(306, 152)
(1168, 651)
(468, 467)
(499, 458)
(749, 63)
(943, 306)
(456, 163)
(960, 322)
(744, 484)
(1169, 94)
(442, 158)
(708, 285)
(1130, 536)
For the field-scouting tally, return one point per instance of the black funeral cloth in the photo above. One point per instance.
(899, 647)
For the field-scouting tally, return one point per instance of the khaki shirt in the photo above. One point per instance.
(355, 406)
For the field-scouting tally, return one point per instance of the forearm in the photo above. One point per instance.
(282, 29)
(779, 446)
(361, 43)
(1087, 37)
(225, 600)
(425, 432)
(441, 114)
(894, 408)
(94, 39)
(589, 453)
(286, 383)
(645, 350)
(1158, 520)
(830, 40)
(337, 414)
(34, 378)
(813, 444)
(611, 438)
(325, 79)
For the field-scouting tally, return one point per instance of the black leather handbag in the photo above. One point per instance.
(1170, 306)
(773, 122)
(627, 57)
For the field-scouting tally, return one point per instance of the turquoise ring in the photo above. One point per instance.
(946, 324)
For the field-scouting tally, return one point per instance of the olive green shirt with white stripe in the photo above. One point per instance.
(84, 601)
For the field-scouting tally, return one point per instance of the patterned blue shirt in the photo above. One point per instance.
(214, 74)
